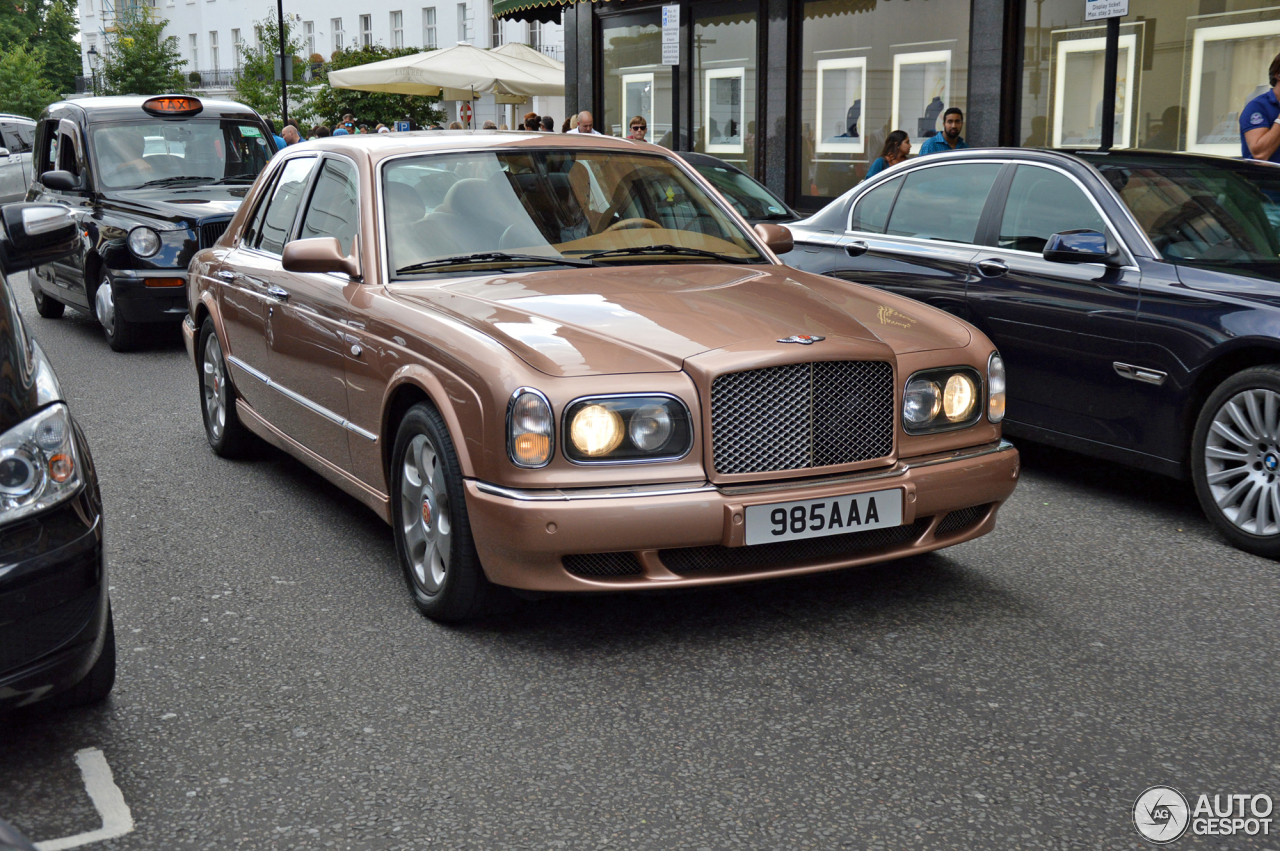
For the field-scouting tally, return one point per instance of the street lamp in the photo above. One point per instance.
(93, 67)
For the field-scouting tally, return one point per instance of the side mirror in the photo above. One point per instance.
(1078, 246)
(60, 181)
(320, 255)
(777, 237)
(35, 234)
(4, 152)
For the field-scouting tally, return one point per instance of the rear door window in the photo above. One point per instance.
(282, 209)
(1043, 202)
(335, 205)
(943, 202)
(872, 210)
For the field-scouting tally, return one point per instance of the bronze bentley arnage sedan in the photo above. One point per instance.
(564, 363)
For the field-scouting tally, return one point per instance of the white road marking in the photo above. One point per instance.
(107, 799)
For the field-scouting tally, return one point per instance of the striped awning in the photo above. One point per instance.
(530, 10)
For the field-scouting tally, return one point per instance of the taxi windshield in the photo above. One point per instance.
(155, 152)
(498, 209)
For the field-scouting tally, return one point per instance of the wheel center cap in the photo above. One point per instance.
(1271, 462)
(426, 513)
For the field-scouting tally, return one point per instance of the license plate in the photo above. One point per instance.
(817, 518)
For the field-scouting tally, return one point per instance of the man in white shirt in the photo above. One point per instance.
(586, 125)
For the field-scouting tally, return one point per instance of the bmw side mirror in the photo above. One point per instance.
(320, 255)
(776, 237)
(60, 181)
(35, 234)
(1078, 246)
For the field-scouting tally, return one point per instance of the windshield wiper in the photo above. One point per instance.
(665, 249)
(500, 257)
(186, 178)
(235, 178)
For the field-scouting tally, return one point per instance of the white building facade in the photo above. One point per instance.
(214, 35)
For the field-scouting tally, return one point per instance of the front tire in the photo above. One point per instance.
(49, 308)
(122, 335)
(1235, 460)
(429, 519)
(226, 434)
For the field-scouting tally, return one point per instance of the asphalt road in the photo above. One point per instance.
(277, 689)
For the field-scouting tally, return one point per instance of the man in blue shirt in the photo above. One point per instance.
(949, 139)
(1260, 121)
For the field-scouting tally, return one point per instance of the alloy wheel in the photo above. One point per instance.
(214, 387)
(105, 307)
(425, 515)
(1242, 461)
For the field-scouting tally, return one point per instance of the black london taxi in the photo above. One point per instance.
(151, 181)
(57, 642)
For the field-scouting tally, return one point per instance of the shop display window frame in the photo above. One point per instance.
(639, 77)
(1222, 32)
(924, 57)
(853, 146)
(1064, 46)
(738, 73)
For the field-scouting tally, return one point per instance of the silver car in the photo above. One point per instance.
(17, 140)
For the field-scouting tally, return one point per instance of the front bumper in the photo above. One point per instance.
(137, 302)
(693, 533)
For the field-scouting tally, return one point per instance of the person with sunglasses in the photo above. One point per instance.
(638, 129)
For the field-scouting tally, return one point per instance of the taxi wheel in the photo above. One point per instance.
(122, 335)
(1235, 460)
(49, 308)
(226, 434)
(429, 519)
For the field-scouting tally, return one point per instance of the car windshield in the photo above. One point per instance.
(601, 206)
(153, 152)
(1200, 215)
(749, 198)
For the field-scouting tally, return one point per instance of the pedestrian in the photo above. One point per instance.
(1260, 121)
(291, 135)
(382, 128)
(364, 128)
(570, 122)
(503, 126)
(271, 125)
(638, 128)
(320, 131)
(548, 124)
(348, 124)
(489, 125)
(532, 121)
(586, 125)
(897, 147)
(949, 139)
(454, 125)
(342, 131)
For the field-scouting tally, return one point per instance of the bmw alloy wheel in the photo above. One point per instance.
(1242, 461)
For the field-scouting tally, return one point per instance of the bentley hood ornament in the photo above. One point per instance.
(803, 339)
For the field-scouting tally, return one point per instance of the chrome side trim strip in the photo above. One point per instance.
(683, 488)
(337, 419)
(1140, 373)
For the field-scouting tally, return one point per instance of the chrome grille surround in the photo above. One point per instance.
(802, 415)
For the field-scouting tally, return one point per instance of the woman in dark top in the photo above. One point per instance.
(896, 149)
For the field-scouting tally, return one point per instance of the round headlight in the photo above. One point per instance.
(995, 388)
(144, 242)
(959, 397)
(19, 473)
(921, 402)
(651, 427)
(596, 430)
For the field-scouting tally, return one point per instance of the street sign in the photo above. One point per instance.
(402, 126)
(464, 112)
(670, 35)
(288, 70)
(1100, 10)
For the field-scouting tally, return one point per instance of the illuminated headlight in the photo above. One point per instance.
(995, 388)
(941, 399)
(614, 429)
(144, 242)
(530, 429)
(39, 465)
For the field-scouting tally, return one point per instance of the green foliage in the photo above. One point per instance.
(23, 90)
(372, 108)
(257, 85)
(140, 59)
(46, 29)
(62, 53)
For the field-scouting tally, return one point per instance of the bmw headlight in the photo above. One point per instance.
(144, 242)
(942, 399)
(39, 465)
(530, 429)
(616, 429)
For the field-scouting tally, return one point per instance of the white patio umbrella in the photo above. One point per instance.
(463, 68)
(516, 50)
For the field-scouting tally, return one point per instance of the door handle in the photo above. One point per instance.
(857, 248)
(226, 276)
(992, 268)
(278, 293)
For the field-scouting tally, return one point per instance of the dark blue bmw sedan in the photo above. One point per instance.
(1134, 296)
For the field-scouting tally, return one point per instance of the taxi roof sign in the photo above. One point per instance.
(173, 105)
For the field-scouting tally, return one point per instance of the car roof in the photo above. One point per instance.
(378, 146)
(8, 116)
(130, 106)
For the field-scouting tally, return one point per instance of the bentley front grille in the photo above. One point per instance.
(802, 415)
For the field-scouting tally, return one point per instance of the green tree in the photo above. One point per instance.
(257, 86)
(19, 23)
(62, 53)
(140, 59)
(23, 90)
(371, 108)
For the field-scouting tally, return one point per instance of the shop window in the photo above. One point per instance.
(635, 80)
(724, 91)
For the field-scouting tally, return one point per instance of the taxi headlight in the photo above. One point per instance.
(530, 429)
(627, 429)
(941, 399)
(144, 242)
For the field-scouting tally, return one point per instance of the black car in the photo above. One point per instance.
(754, 201)
(57, 643)
(1134, 296)
(151, 181)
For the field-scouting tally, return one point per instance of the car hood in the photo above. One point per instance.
(613, 320)
(177, 204)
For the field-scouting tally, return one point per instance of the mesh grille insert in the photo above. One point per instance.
(603, 564)
(782, 554)
(961, 518)
(802, 415)
(211, 231)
